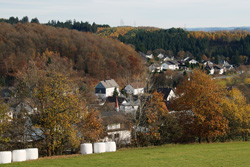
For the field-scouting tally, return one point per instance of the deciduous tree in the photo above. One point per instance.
(200, 95)
(59, 111)
(237, 111)
(4, 121)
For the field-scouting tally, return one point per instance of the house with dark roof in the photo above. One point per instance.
(210, 69)
(167, 92)
(117, 127)
(170, 65)
(155, 67)
(190, 60)
(218, 69)
(227, 66)
(135, 88)
(111, 103)
(106, 88)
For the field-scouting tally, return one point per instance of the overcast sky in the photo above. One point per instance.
(156, 13)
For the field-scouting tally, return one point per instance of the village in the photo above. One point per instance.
(118, 105)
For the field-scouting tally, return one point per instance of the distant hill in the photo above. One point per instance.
(95, 57)
(211, 29)
(216, 45)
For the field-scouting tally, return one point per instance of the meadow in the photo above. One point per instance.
(191, 155)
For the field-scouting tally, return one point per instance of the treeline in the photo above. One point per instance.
(93, 56)
(75, 25)
(233, 46)
(15, 20)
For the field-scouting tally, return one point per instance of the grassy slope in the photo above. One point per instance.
(194, 155)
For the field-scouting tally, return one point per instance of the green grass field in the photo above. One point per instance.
(193, 155)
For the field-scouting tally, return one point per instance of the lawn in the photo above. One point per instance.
(193, 155)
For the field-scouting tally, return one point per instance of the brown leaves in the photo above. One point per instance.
(91, 126)
(203, 98)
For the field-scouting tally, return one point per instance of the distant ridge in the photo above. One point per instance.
(210, 29)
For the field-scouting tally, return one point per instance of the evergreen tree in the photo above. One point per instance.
(25, 19)
(35, 20)
(115, 93)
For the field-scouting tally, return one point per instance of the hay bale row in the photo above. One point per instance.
(101, 147)
(18, 155)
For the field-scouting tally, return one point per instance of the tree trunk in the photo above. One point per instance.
(243, 136)
(246, 136)
(207, 140)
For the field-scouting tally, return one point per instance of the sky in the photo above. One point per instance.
(153, 13)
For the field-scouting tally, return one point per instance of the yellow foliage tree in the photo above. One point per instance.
(58, 113)
(4, 121)
(237, 111)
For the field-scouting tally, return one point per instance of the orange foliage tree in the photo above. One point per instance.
(203, 98)
(91, 126)
(155, 111)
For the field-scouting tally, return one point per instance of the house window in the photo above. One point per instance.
(117, 135)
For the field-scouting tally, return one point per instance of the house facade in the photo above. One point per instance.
(155, 67)
(135, 88)
(167, 92)
(118, 133)
(150, 56)
(129, 107)
(218, 69)
(170, 65)
(106, 88)
(160, 56)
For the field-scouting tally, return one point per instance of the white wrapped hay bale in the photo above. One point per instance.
(99, 147)
(18, 155)
(110, 146)
(31, 153)
(86, 148)
(5, 157)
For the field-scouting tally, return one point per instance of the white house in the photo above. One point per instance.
(106, 88)
(168, 58)
(129, 107)
(150, 56)
(218, 69)
(160, 56)
(168, 93)
(210, 68)
(208, 62)
(170, 65)
(214, 69)
(135, 88)
(190, 60)
(227, 66)
(118, 133)
(155, 68)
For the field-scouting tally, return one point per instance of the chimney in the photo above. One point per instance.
(116, 105)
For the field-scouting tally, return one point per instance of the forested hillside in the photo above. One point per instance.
(75, 25)
(114, 32)
(93, 56)
(233, 46)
